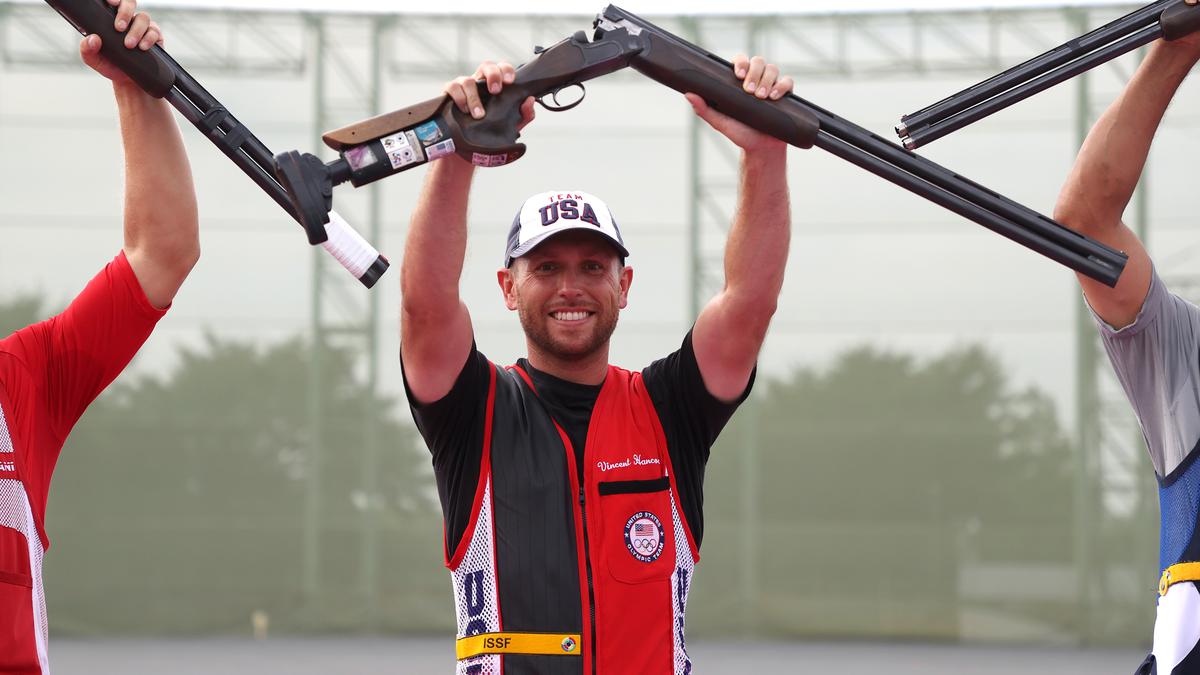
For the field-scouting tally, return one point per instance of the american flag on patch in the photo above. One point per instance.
(643, 530)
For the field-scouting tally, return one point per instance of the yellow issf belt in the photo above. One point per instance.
(556, 644)
(1188, 571)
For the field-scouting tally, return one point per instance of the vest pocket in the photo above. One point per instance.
(14, 558)
(18, 629)
(638, 543)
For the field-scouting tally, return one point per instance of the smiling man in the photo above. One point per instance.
(572, 489)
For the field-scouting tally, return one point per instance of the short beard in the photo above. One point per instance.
(535, 325)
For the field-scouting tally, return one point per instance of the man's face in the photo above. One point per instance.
(568, 293)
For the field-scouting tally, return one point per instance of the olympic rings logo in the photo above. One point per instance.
(644, 536)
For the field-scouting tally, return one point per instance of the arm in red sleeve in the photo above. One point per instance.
(83, 349)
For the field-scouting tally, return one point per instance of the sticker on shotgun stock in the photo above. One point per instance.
(398, 150)
(438, 150)
(394, 142)
(480, 159)
(360, 157)
(429, 133)
(416, 145)
(402, 149)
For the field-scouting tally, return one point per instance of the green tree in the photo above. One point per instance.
(189, 490)
(879, 481)
(20, 311)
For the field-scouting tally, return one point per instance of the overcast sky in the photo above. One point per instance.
(637, 6)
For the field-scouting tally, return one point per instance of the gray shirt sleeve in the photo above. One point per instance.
(1157, 360)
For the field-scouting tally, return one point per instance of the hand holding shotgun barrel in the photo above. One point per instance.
(680, 65)
(156, 73)
(1151, 336)
(1185, 32)
(139, 32)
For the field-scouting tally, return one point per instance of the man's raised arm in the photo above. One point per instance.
(1108, 168)
(435, 326)
(162, 241)
(730, 330)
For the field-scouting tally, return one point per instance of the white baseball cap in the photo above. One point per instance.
(549, 213)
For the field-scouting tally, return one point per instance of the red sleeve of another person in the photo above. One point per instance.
(67, 360)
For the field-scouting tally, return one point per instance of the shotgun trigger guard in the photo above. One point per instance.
(559, 107)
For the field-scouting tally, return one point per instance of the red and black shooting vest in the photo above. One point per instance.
(558, 573)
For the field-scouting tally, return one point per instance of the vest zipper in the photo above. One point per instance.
(587, 558)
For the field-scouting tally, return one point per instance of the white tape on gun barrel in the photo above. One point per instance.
(354, 253)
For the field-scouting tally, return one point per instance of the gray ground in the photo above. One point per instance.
(362, 656)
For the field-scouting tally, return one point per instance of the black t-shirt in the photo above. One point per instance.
(691, 419)
(569, 403)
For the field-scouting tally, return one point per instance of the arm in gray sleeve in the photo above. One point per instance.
(1157, 360)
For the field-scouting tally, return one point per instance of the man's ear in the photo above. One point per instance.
(504, 277)
(626, 281)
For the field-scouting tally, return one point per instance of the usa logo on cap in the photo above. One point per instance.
(549, 213)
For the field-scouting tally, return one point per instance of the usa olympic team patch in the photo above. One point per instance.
(644, 536)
